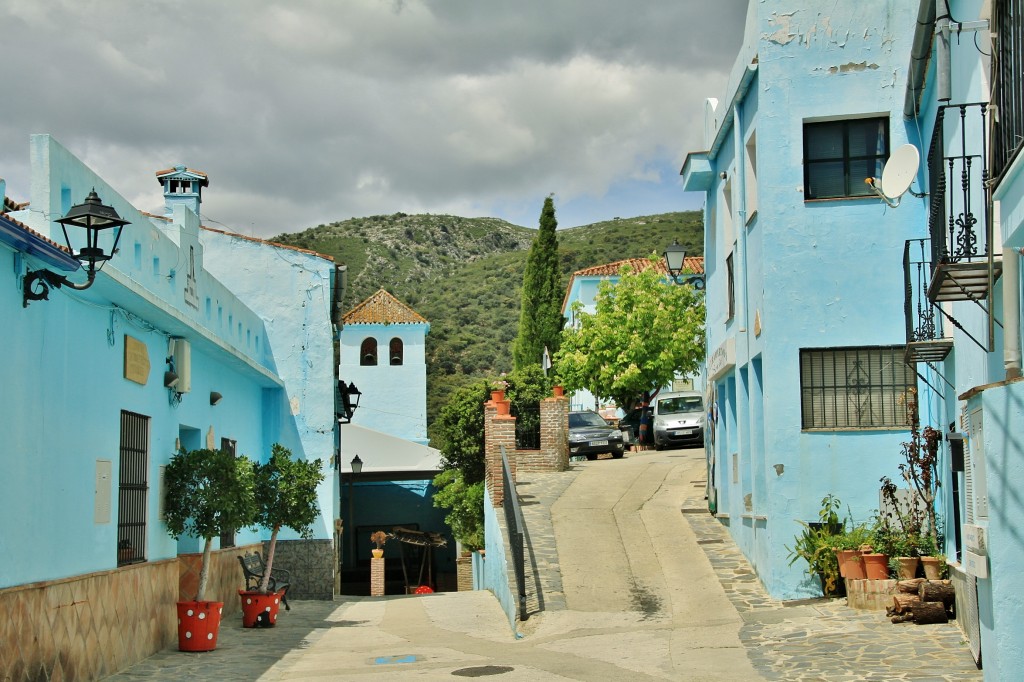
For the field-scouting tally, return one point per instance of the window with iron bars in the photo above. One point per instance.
(133, 489)
(1007, 87)
(854, 387)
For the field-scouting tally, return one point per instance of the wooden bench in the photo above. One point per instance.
(253, 568)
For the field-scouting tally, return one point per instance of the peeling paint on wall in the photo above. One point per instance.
(852, 67)
(783, 35)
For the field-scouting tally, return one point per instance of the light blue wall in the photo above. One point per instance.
(496, 573)
(293, 292)
(66, 388)
(1000, 601)
(808, 274)
(394, 399)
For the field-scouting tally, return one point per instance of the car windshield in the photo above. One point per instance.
(679, 404)
(577, 419)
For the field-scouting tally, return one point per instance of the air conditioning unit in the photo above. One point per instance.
(181, 355)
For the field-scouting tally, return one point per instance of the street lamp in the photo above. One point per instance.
(675, 255)
(93, 216)
(357, 468)
(348, 401)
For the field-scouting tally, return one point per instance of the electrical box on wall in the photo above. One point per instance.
(181, 354)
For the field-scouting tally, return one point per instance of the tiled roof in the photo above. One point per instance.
(179, 169)
(694, 264)
(10, 205)
(382, 308)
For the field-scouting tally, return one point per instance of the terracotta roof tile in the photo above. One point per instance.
(22, 226)
(382, 308)
(169, 171)
(11, 205)
(694, 264)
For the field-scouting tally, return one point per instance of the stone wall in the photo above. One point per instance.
(312, 565)
(89, 626)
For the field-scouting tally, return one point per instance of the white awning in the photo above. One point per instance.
(381, 452)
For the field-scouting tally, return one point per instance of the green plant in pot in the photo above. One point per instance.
(207, 493)
(285, 491)
(815, 545)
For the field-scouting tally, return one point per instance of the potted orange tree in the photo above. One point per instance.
(285, 491)
(206, 493)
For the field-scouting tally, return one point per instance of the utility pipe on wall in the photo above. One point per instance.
(1011, 312)
(942, 69)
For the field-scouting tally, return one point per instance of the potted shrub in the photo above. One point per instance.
(207, 493)
(378, 538)
(815, 545)
(285, 491)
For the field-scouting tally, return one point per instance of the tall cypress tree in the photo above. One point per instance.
(540, 312)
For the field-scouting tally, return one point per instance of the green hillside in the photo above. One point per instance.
(464, 275)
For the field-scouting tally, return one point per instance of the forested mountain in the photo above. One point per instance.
(464, 275)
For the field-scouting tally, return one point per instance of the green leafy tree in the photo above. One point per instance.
(540, 311)
(285, 490)
(643, 332)
(460, 430)
(465, 502)
(460, 487)
(207, 493)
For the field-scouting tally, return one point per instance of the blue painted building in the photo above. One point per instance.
(798, 270)
(91, 415)
(583, 286)
(805, 323)
(963, 286)
(383, 353)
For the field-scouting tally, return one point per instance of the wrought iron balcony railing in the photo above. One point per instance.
(1008, 86)
(964, 265)
(925, 340)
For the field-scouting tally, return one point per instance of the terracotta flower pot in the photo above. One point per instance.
(876, 566)
(497, 396)
(198, 625)
(908, 566)
(931, 566)
(558, 391)
(503, 406)
(259, 609)
(851, 566)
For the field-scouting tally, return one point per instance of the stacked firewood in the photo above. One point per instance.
(922, 601)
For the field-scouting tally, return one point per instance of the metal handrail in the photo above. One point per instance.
(515, 525)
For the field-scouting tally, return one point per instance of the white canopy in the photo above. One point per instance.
(382, 453)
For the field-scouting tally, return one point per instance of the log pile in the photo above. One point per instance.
(922, 601)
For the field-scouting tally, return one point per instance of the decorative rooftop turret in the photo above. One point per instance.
(182, 186)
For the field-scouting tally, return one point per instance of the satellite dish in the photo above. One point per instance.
(899, 171)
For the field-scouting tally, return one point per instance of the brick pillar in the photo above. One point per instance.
(499, 429)
(464, 571)
(554, 433)
(377, 577)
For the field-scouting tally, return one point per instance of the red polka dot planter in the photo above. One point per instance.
(198, 625)
(259, 609)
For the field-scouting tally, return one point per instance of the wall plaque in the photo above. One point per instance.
(136, 360)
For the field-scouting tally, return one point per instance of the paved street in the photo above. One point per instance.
(635, 583)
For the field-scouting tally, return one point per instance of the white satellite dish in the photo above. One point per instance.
(899, 171)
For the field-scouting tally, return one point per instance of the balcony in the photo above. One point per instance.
(964, 264)
(925, 340)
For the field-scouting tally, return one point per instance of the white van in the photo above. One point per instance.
(678, 419)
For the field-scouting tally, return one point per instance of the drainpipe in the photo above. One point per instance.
(1011, 312)
(942, 70)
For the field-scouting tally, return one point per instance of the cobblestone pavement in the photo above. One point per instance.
(801, 641)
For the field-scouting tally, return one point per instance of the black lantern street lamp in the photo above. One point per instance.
(348, 396)
(93, 216)
(675, 255)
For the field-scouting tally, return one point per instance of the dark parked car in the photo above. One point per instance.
(591, 435)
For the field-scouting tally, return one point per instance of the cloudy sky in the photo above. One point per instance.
(310, 111)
